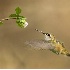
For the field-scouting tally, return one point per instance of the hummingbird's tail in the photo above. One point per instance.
(65, 52)
(68, 54)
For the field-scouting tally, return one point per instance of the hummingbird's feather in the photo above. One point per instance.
(43, 44)
(39, 44)
(68, 54)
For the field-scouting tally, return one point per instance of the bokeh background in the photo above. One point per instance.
(51, 16)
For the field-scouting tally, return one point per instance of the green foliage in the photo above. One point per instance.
(20, 20)
(13, 15)
(18, 10)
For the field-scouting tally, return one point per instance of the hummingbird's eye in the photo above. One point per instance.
(48, 34)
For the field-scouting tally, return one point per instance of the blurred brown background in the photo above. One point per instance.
(47, 15)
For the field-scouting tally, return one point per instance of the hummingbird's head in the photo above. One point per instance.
(48, 36)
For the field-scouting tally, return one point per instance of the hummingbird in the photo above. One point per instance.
(49, 42)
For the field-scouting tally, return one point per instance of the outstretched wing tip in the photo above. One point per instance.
(39, 44)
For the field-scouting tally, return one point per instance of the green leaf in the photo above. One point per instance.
(1, 22)
(13, 15)
(21, 17)
(18, 10)
(20, 22)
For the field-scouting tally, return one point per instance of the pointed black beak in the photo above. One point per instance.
(44, 33)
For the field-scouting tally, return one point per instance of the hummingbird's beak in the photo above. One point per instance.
(44, 33)
(41, 32)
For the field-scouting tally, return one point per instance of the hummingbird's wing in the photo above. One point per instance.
(39, 44)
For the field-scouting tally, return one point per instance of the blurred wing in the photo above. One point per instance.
(39, 44)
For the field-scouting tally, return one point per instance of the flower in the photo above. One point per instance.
(25, 24)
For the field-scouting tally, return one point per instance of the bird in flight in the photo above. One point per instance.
(50, 43)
